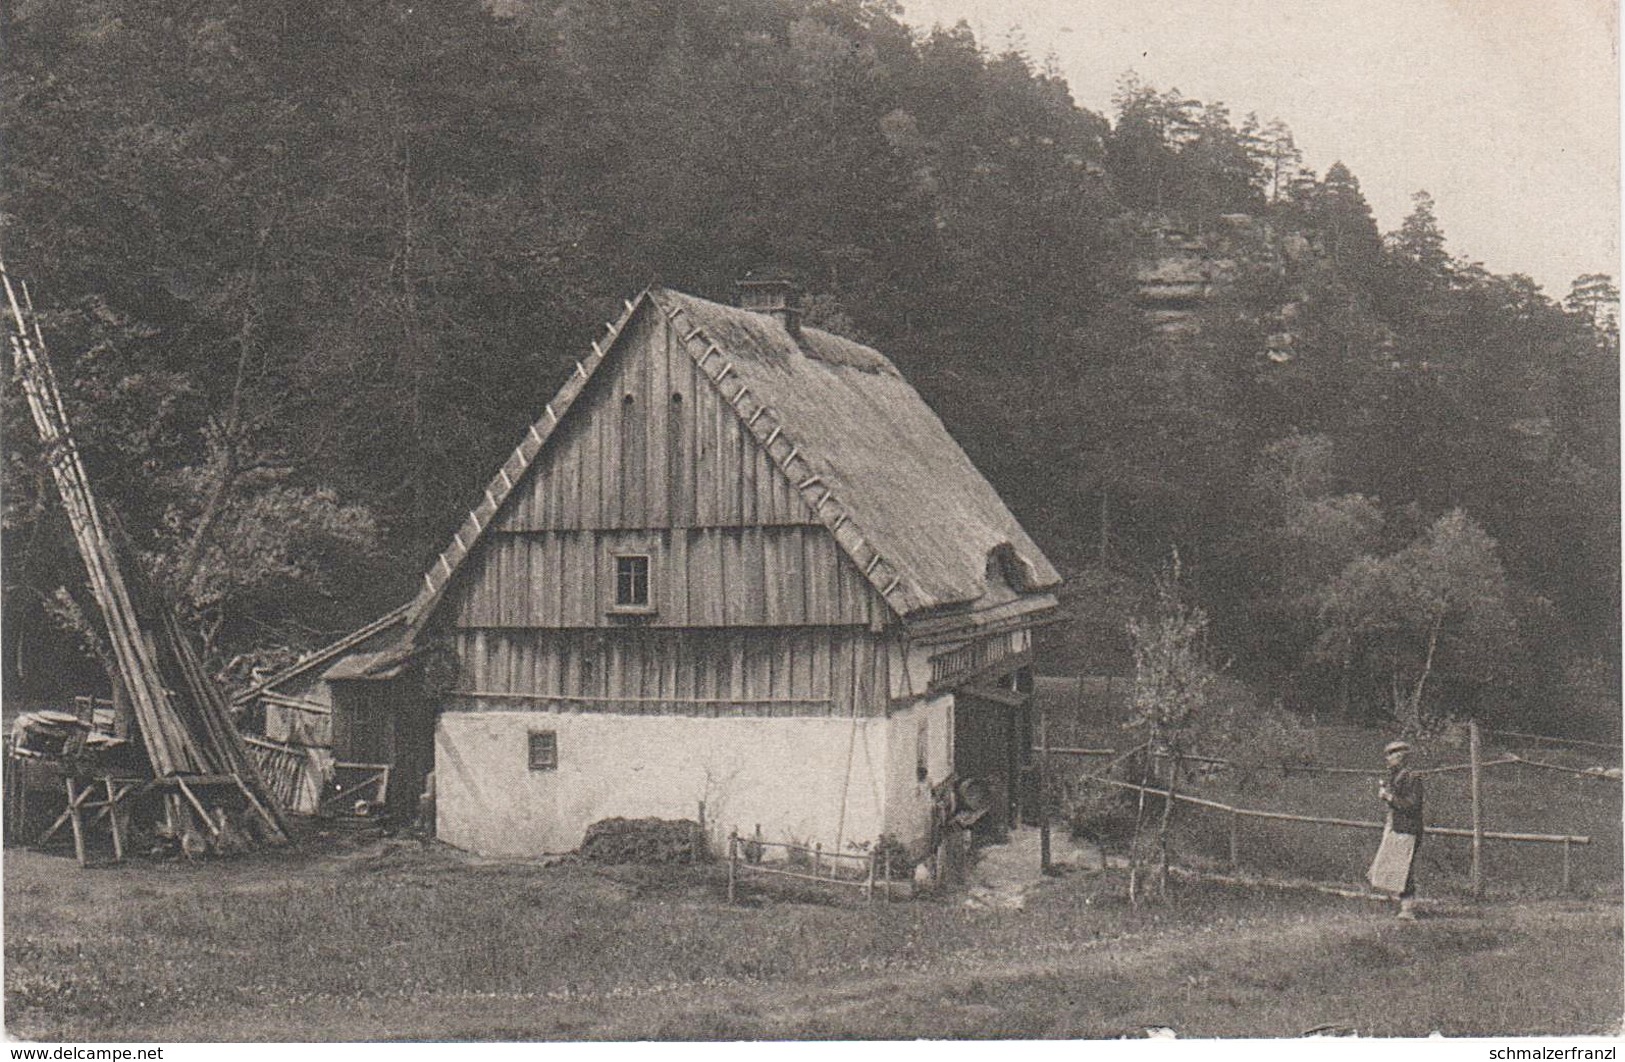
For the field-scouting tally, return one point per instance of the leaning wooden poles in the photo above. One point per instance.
(184, 722)
(133, 652)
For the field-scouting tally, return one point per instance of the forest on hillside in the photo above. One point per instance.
(308, 268)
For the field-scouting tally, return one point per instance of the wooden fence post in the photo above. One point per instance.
(1476, 877)
(113, 811)
(77, 821)
(886, 884)
(1235, 840)
(1163, 856)
(1568, 867)
(12, 803)
(1043, 791)
(700, 848)
(869, 880)
(733, 863)
(818, 857)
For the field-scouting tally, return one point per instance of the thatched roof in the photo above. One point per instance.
(908, 491)
(867, 454)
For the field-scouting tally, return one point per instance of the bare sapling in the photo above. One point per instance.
(1174, 678)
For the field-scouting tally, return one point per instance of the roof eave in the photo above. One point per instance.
(1028, 610)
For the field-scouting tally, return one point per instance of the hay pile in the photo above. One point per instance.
(643, 841)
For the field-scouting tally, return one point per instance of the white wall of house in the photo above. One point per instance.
(810, 780)
(923, 730)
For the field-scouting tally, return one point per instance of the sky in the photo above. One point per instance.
(1507, 111)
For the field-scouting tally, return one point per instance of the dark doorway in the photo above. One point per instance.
(386, 721)
(992, 724)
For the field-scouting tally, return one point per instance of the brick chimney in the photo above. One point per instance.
(774, 295)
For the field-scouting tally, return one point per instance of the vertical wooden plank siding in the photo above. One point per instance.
(810, 671)
(786, 575)
(655, 461)
(756, 608)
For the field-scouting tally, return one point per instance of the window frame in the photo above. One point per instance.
(647, 606)
(551, 744)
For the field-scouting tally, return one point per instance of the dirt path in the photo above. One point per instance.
(1355, 971)
(978, 995)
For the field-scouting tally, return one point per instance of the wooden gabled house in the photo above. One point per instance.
(735, 561)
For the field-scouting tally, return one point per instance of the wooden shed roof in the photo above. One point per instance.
(328, 653)
(865, 451)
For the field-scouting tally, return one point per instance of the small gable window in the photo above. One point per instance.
(632, 590)
(544, 750)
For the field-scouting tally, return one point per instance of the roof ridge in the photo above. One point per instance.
(887, 577)
(473, 528)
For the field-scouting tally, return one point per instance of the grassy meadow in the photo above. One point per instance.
(349, 938)
(397, 940)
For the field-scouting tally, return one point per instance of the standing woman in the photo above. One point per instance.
(1394, 868)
